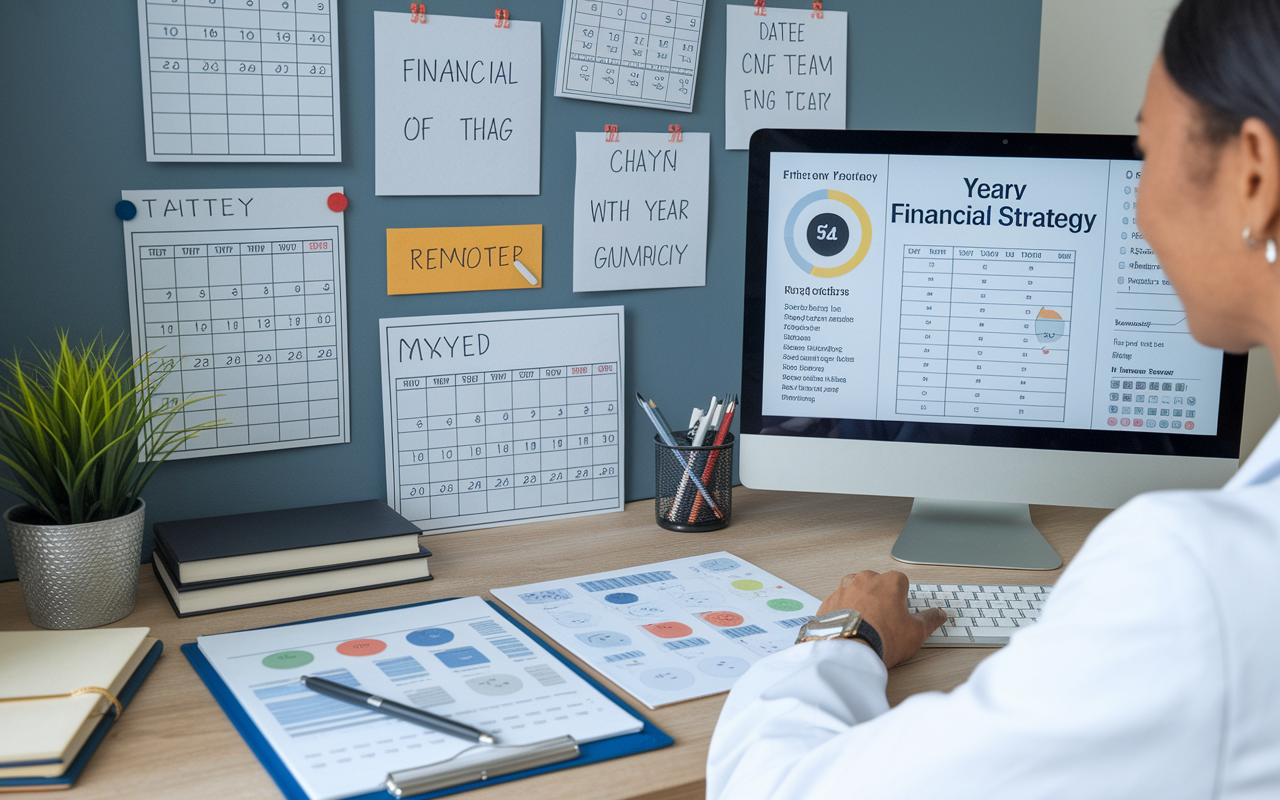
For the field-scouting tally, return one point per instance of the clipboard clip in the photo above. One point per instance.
(501, 18)
(676, 134)
(480, 763)
(760, 11)
(611, 133)
(417, 12)
(817, 9)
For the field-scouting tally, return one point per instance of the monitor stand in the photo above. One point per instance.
(964, 533)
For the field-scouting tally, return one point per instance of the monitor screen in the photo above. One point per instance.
(986, 289)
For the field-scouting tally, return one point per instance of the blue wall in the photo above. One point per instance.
(71, 138)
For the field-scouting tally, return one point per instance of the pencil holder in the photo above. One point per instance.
(685, 477)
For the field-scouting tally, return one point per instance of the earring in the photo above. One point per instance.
(1271, 251)
(1248, 238)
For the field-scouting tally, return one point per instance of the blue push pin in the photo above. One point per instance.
(126, 210)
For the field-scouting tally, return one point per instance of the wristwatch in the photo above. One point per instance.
(843, 624)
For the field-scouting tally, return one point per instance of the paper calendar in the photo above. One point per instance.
(497, 419)
(632, 52)
(245, 291)
(240, 80)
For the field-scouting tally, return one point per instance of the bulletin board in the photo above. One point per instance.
(74, 137)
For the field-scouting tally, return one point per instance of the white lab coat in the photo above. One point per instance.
(1154, 672)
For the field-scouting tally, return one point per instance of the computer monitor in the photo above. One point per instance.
(973, 320)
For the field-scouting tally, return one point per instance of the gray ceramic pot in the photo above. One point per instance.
(77, 576)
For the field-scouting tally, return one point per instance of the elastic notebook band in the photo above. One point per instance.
(82, 690)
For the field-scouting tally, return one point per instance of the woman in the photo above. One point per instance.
(1155, 668)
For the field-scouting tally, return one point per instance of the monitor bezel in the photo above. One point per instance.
(1224, 444)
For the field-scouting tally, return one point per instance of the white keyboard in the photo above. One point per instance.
(978, 615)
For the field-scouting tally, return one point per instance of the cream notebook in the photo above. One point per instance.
(39, 738)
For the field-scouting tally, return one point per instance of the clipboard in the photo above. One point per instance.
(648, 738)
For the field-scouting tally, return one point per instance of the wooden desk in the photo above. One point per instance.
(174, 739)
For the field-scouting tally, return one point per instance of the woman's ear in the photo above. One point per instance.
(1259, 179)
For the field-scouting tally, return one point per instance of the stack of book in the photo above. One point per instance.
(241, 560)
(60, 692)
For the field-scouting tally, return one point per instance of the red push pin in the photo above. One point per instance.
(676, 134)
(760, 8)
(337, 202)
(414, 13)
(501, 18)
(611, 133)
(817, 9)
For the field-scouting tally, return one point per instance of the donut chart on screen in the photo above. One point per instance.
(827, 234)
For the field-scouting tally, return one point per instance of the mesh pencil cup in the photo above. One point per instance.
(679, 501)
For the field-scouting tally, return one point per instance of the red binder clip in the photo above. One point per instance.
(760, 8)
(676, 134)
(501, 18)
(418, 13)
(817, 9)
(611, 133)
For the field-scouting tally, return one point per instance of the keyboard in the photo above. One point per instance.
(978, 615)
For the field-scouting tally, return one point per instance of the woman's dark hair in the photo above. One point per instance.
(1225, 54)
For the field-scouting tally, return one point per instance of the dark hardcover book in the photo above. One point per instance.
(226, 595)
(286, 540)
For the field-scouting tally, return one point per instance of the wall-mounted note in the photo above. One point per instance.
(457, 105)
(640, 211)
(783, 70)
(427, 260)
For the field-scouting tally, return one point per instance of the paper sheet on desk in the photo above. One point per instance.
(458, 658)
(669, 631)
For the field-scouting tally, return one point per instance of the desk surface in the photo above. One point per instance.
(174, 736)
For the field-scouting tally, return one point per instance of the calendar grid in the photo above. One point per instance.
(501, 441)
(257, 324)
(240, 80)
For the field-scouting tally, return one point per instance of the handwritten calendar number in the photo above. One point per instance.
(581, 473)
(199, 363)
(584, 441)
(604, 471)
(503, 447)
(232, 361)
(200, 327)
(608, 438)
(557, 443)
(202, 294)
(446, 488)
(248, 67)
(477, 451)
(173, 65)
(170, 31)
(501, 483)
(233, 324)
(264, 323)
(417, 491)
(477, 419)
(473, 485)
(506, 415)
(447, 455)
(323, 319)
(318, 38)
(419, 425)
(247, 36)
(317, 70)
(282, 68)
(327, 352)
(283, 36)
(165, 330)
(264, 358)
(530, 446)
(586, 410)
(211, 33)
(295, 355)
(528, 479)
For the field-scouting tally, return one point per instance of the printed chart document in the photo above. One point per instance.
(458, 658)
(245, 291)
(231, 80)
(457, 105)
(497, 419)
(669, 631)
(787, 69)
(999, 291)
(632, 52)
(640, 211)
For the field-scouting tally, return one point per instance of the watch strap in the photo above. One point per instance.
(869, 635)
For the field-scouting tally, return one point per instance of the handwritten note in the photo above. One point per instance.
(457, 106)
(787, 69)
(640, 211)
(427, 260)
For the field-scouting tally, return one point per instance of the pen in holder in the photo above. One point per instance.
(679, 500)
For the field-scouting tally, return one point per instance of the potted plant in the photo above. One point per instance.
(82, 432)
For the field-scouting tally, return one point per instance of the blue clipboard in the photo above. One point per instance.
(648, 738)
(66, 779)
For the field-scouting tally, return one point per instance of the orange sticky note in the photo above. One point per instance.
(471, 259)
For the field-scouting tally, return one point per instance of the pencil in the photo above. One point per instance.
(655, 416)
(715, 454)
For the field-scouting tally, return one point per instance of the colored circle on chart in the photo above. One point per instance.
(832, 240)
(494, 685)
(430, 637)
(671, 679)
(289, 659)
(620, 598)
(719, 564)
(785, 604)
(669, 630)
(362, 647)
(723, 666)
(748, 585)
(723, 619)
(647, 610)
(605, 639)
